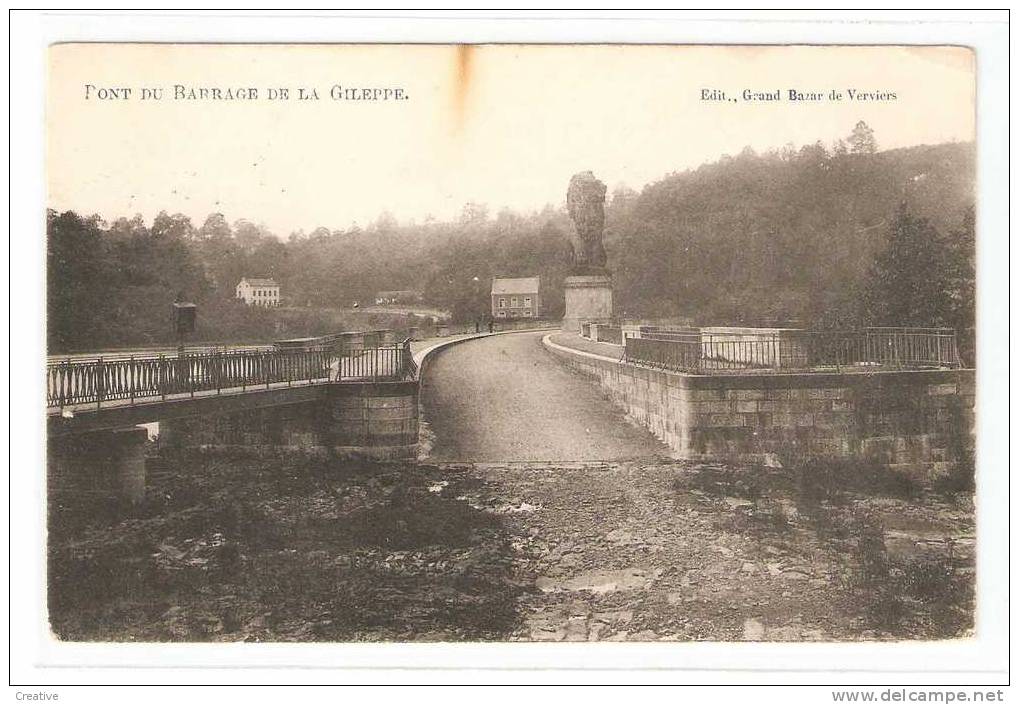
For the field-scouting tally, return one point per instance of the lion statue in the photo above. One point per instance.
(585, 201)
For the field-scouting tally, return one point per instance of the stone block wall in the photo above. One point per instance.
(916, 421)
(374, 420)
(103, 465)
(378, 421)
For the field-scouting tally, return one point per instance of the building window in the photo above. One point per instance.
(502, 303)
(514, 302)
(527, 301)
(527, 312)
(501, 314)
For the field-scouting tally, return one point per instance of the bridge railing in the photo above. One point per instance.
(377, 363)
(100, 380)
(610, 334)
(796, 350)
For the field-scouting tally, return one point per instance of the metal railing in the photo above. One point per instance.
(377, 363)
(610, 334)
(101, 380)
(891, 347)
(411, 366)
(796, 350)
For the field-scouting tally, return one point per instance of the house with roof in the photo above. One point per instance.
(259, 292)
(518, 297)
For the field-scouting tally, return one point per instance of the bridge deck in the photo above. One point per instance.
(505, 399)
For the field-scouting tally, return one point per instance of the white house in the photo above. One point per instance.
(259, 292)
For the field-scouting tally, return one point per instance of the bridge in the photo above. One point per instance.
(350, 393)
(108, 392)
(895, 394)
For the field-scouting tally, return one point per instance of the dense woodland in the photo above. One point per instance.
(843, 235)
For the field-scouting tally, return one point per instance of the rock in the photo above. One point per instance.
(596, 581)
(785, 633)
(748, 568)
(211, 624)
(618, 617)
(795, 574)
(789, 509)
(172, 551)
(620, 536)
(548, 634)
(753, 630)
(576, 629)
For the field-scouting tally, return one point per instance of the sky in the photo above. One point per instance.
(502, 125)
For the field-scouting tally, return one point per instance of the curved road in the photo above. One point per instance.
(504, 398)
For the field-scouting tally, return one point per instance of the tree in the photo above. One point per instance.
(77, 270)
(215, 227)
(473, 215)
(861, 140)
(174, 227)
(962, 284)
(910, 279)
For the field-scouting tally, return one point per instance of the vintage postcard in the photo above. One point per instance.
(510, 342)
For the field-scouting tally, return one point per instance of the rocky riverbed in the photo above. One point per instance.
(292, 548)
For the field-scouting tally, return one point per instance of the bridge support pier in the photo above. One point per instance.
(103, 464)
(375, 420)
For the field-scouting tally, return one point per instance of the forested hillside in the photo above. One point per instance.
(822, 236)
(778, 236)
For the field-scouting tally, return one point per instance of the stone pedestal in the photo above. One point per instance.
(588, 298)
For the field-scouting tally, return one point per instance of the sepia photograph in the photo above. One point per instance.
(508, 342)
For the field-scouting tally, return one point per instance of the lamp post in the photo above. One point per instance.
(184, 315)
(475, 281)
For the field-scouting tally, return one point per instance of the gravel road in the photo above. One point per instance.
(505, 398)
